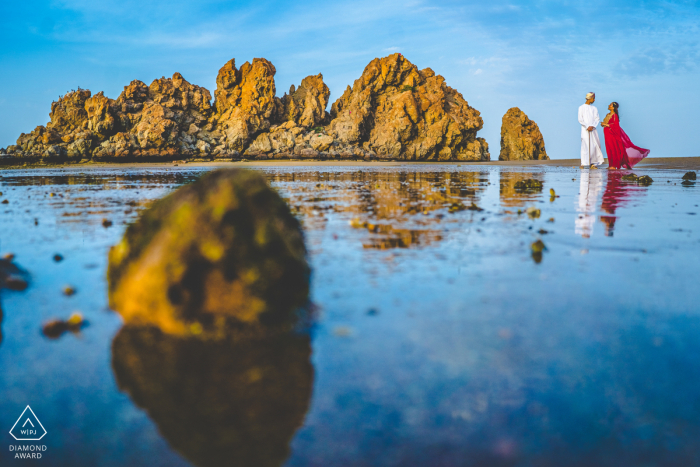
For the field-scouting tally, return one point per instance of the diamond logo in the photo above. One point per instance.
(28, 427)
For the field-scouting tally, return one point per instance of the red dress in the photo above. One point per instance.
(621, 151)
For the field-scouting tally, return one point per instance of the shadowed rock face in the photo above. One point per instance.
(219, 257)
(218, 403)
(393, 111)
(520, 138)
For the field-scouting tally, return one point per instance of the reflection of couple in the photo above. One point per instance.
(621, 151)
(616, 194)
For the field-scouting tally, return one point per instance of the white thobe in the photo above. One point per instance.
(591, 184)
(591, 154)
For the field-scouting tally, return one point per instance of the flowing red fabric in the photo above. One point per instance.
(621, 151)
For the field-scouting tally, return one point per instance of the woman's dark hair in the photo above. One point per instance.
(615, 107)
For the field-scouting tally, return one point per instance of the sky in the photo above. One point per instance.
(540, 56)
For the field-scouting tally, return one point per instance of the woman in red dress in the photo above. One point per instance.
(621, 151)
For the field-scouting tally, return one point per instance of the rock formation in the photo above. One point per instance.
(245, 101)
(243, 269)
(393, 111)
(520, 138)
(306, 105)
(401, 112)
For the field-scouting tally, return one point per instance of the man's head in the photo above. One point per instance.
(590, 98)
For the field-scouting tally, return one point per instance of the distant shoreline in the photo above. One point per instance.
(680, 163)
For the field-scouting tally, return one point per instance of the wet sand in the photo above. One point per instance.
(661, 163)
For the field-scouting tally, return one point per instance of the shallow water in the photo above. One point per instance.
(439, 338)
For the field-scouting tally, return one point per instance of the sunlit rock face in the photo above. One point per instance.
(520, 138)
(306, 105)
(160, 120)
(245, 101)
(218, 402)
(402, 112)
(394, 111)
(221, 256)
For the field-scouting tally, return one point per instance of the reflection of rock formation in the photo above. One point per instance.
(404, 208)
(591, 184)
(221, 254)
(218, 403)
(510, 196)
(520, 138)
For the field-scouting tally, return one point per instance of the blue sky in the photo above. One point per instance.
(541, 56)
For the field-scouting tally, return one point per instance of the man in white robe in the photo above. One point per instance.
(588, 117)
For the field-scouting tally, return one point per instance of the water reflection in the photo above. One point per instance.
(591, 184)
(397, 207)
(617, 194)
(512, 197)
(222, 402)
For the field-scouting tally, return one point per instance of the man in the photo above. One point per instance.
(588, 117)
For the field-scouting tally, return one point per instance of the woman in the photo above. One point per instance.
(621, 151)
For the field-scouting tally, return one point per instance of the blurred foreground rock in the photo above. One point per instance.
(220, 257)
(393, 111)
(218, 402)
(520, 138)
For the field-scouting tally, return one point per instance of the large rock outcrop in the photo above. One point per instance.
(306, 105)
(245, 101)
(393, 111)
(242, 270)
(521, 139)
(401, 112)
(163, 119)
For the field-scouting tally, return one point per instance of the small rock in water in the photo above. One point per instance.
(15, 282)
(106, 223)
(533, 212)
(688, 176)
(372, 312)
(529, 185)
(551, 219)
(69, 291)
(645, 180)
(4, 201)
(537, 247)
(58, 257)
(630, 177)
(57, 327)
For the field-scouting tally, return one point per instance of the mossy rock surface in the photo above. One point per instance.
(220, 256)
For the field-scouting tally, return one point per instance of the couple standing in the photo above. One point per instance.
(621, 151)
